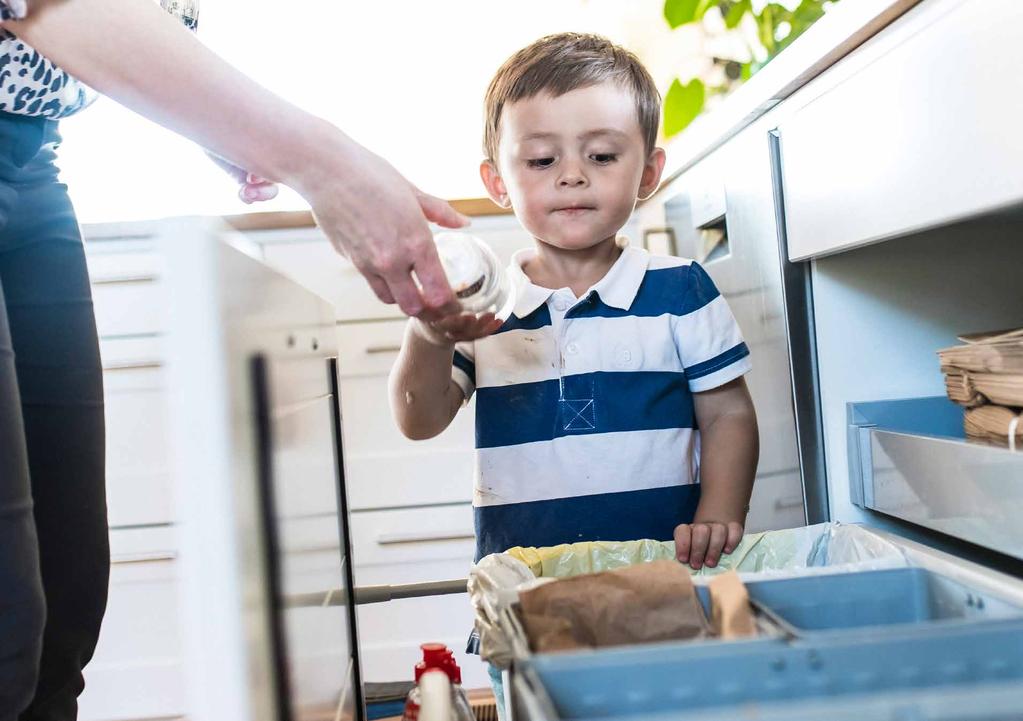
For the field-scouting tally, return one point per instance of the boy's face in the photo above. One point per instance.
(572, 166)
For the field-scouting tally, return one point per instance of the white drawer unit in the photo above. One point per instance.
(919, 128)
(384, 468)
(137, 671)
(412, 545)
(138, 473)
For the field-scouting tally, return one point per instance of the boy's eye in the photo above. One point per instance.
(603, 158)
(540, 162)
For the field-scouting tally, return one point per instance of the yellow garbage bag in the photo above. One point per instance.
(573, 559)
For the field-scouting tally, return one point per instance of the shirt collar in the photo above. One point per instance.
(617, 288)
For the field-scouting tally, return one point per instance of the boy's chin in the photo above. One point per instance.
(570, 242)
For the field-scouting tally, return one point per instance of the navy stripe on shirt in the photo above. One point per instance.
(679, 291)
(624, 516)
(466, 366)
(539, 318)
(699, 370)
(545, 410)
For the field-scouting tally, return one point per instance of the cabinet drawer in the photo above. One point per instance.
(137, 671)
(390, 635)
(412, 545)
(385, 469)
(777, 502)
(923, 132)
(128, 306)
(138, 465)
(369, 348)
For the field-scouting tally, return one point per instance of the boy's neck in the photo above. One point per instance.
(577, 270)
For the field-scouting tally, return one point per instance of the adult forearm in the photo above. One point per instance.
(424, 399)
(135, 53)
(729, 452)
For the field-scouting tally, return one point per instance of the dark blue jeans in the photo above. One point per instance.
(54, 551)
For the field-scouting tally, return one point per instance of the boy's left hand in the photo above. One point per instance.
(701, 544)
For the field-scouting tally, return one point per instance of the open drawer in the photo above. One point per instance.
(910, 459)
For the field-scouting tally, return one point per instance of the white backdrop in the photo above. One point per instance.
(404, 77)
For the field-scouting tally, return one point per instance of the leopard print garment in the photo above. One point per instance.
(29, 83)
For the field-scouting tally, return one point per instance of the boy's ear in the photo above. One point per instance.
(651, 177)
(495, 186)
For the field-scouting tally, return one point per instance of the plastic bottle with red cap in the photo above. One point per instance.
(438, 657)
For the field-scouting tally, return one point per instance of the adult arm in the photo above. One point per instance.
(133, 52)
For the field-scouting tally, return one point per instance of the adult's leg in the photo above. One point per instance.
(21, 591)
(49, 306)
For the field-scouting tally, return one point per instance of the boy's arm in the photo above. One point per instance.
(424, 396)
(729, 450)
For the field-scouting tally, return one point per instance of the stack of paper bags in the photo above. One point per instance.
(985, 376)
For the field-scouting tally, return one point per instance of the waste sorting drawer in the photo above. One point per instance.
(890, 640)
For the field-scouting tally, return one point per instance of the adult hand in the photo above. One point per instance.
(377, 219)
(253, 189)
(700, 544)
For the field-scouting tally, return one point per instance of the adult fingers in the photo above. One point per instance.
(701, 537)
(439, 211)
(683, 542)
(380, 288)
(718, 536)
(253, 193)
(438, 298)
(406, 295)
(735, 531)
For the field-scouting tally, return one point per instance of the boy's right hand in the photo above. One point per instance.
(456, 328)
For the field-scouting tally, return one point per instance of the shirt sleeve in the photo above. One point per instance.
(463, 368)
(708, 338)
(13, 9)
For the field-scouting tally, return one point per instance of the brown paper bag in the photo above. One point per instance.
(640, 604)
(731, 613)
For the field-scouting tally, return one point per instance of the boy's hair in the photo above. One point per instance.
(558, 64)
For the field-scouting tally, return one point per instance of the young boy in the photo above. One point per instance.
(611, 404)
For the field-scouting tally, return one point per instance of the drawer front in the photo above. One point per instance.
(924, 132)
(369, 349)
(137, 671)
(128, 307)
(412, 545)
(385, 469)
(138, 464)
(390, 635)
(777, 502)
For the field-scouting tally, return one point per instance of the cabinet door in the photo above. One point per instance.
(919, 128)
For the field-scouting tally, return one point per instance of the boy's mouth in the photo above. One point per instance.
(574, 209)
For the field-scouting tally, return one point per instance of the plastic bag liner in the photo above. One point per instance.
(495, 582)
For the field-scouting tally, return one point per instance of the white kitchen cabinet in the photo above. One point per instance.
(137, 670)
(919, 128)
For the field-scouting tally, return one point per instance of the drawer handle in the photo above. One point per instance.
(378, 349)
(153, 557)
(133, 365)
(125, 279)
(395, 539)
(781, 505)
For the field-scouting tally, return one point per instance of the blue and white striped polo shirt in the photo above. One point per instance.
(585, 428)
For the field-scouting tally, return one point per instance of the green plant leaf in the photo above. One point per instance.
(680, 12)
(682, 104)
(736, 12)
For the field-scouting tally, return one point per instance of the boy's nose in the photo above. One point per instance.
(572, 178)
